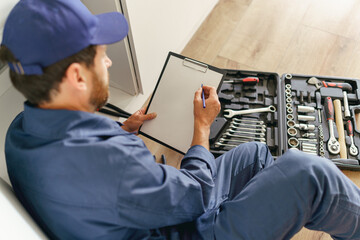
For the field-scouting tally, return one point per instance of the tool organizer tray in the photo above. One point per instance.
(290, 112)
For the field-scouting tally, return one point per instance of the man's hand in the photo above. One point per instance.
(204, 117)
(133, 123)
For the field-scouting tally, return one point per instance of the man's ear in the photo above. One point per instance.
(76, 76)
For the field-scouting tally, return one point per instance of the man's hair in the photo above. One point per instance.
(38, 89)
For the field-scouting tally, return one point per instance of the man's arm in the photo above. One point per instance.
(162, 192)
(204, 117)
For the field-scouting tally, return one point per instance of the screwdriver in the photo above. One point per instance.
(247, 80)
(318, 104)
(329, 109)
(349, 128)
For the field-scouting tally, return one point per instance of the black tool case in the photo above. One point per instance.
(286, 127)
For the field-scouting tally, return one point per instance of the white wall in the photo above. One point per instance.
(157, 27)
(11, 102)
(5, 7)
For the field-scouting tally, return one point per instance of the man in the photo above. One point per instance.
(83, 176)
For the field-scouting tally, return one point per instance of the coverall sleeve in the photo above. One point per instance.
(153, 195)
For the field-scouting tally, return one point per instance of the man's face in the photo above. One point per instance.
(100, 78)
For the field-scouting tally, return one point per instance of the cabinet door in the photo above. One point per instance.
(122, 73)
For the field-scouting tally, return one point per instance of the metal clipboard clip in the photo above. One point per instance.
(195, 65)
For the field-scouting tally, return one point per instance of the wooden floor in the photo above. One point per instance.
(319, 37)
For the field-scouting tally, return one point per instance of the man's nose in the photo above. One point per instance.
(108, 62)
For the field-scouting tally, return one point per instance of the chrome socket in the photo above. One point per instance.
(293, 142)
(288, 76)
(310, 152)
(291, 123)
(346, 105)
(306, 127)
(306, 118)
(308, 139)
(290, 117)
(305, 109)
(306, 135)
(309, 148)
(313, 145)
(292, 131)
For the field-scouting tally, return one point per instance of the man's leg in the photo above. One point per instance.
(234, 170)
(236, 167)
(297, 190)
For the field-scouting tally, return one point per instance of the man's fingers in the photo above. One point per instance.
(198, 94)
(212, 91)
(149, 116)
(143, 110)
(208, 91)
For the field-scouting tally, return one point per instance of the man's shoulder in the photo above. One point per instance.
(17, 121)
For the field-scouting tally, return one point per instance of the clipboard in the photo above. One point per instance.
(172, 100)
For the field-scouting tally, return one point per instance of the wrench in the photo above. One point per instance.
(235, 125)
(247, 133)
(248, 129)
(333, 144)
(238, 120)
(222, 140)
(353, 149)
(229, 113)
(217, 144)
(246, 137)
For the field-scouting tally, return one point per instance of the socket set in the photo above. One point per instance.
(315, 114)
(325, 117)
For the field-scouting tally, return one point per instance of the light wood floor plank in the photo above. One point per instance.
(307, 51)
(319, 37)
(341, 17)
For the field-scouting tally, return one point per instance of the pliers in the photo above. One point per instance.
(113, 110)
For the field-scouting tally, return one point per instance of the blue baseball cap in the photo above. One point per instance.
(42, 32)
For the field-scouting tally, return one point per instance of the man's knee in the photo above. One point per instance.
(254, 151)
(251, 147)
(304, 163)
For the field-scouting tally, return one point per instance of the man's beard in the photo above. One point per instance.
(100, 91)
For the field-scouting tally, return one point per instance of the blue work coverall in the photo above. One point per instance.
(81, 176)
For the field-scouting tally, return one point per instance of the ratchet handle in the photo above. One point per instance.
(344, 86)
(329, 109)
(349, 128)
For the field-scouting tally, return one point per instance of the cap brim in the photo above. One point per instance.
(112, 27)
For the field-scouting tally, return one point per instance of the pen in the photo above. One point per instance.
(163, 159)
(203, 96)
